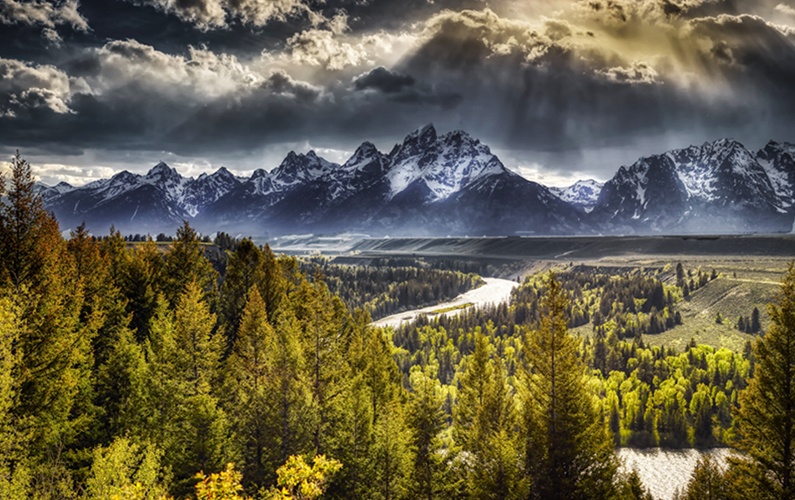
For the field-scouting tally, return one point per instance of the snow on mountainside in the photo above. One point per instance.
(431, 184)
(444, 165)
(716, 187)
(778, 160)
(582, 194)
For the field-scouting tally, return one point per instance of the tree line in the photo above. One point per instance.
(382, 290)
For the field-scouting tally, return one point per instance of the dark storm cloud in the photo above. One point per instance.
(564, 87)
(197, 77)
(281, 83)
(383, 80)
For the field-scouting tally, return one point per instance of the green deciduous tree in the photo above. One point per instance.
(300, 481)
(124, 467)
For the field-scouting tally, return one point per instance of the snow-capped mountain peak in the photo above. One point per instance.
(297, 168)
(162, 170)
(440, 165)
(363, 155)
(582, 194)
(449, 183)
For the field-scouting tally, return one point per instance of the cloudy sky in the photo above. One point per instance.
(559, 89)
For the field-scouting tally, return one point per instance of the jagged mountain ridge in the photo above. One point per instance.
(432, 184)
(718, 187)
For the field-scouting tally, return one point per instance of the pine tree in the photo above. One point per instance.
(103, 302)
(474, 384)
(12, 439)
(767, 405)
(496, 472)
(199, 347)
(568, 451)
(185, 263)
(373, 383)
(23, 221)
(425, 419)
(755, 325)
(184, 357)
(707, 482)
(289, 393)
(141, 282)
(322, 316)
(243, 272)
(274, 284)
(391, 457)
(248, 382)
(123, 388)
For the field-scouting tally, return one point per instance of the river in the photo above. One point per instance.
(495, 291)
(662, 471)
(665, 471)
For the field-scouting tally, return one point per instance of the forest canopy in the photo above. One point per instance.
(138, 370)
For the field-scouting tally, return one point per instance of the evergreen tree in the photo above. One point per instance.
(425, 419)
(248, 382)
(322, 316)
(199, 347)
(140, 285)
(12, 440)
(186, 421)
(568, 451)
(243, 272)
(274, 285)
(55, 407)
(373, 383)
(201, 424)
(167, 388)
(755, 325)
(632, 488)
(471, 397)
(766, 417)
(185, 263)
(23, 221)
(391, 456)
(288, 392)
(707, 482)
(123, 388)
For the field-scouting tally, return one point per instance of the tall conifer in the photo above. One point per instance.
(766, 417)
(568, 452)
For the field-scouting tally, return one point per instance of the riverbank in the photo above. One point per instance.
(494, 291)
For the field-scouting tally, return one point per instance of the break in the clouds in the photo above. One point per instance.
(555, 84)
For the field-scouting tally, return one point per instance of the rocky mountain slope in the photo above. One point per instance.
(435, 185)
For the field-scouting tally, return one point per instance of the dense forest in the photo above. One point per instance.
(384, 288)
(134, 371)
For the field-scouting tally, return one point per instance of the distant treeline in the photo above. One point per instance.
(382, 289)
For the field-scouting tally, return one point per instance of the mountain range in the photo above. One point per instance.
(450, 184)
